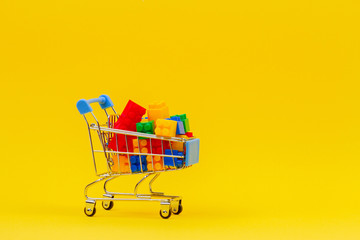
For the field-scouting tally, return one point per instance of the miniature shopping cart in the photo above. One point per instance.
(110, 164)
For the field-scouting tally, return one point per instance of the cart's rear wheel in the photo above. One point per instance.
(108, 205)
(165, 214)
(179, 210)
(89, 211)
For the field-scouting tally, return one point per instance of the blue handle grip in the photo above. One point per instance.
(84, 105)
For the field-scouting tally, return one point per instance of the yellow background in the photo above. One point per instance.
(270, 87)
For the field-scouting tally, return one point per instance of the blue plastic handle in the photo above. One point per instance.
(84, 105)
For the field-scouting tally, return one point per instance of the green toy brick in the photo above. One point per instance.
(186, 125)
(184, 120)
(145, 127)
(182, 117)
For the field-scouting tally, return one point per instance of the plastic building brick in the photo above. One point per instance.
(186, 125)
(144, 146)
(165, 128)
(189, 134)
(123, 161)
(118, 143)
(192, 151)
(180, 125)
(135, 163)
(158, 111)
(179, 146)
(185, 121)
(149, 160)
(157, 148)
(131, 115)
(145, 127)
(159, 145)
(156, 144)
(182, 117)
(169, 161)
(158, 163)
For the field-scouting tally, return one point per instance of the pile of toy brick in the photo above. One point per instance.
(158, 122)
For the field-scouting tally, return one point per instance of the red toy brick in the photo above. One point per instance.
(131, 115)
(189, 134)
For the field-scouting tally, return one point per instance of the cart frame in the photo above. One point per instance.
(168, 203)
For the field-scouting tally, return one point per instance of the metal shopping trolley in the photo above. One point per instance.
(110, 164)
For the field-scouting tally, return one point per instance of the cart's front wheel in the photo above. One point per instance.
(165, 213)
(108, 205)
(89, 211)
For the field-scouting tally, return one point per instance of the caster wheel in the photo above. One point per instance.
(108, 205)
(89, 211)
(165, 214)
(179, 210)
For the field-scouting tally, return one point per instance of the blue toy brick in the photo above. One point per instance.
(134, 168)
(192, 151)
(143, 163)
(179, 163)
(135, 163)
(134, 160)
(169, 161)
(175, 118)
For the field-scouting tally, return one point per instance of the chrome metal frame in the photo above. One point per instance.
(105, 133)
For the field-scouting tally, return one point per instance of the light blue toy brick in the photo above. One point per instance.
(180, 129)
(192, 151)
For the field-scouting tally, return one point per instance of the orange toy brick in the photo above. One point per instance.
(144, 145)
(149, 163)
(158, 163)
(179, 146)
(124, 164)
(158, 111)
(165, 128)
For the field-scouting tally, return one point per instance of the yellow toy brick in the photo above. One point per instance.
(179, 145)
(158, 111)
(124, 164)
(165, 128)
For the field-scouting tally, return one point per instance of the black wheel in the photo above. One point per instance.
(180, 209)
(108, 206)
(165, 214)
(90, 213)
